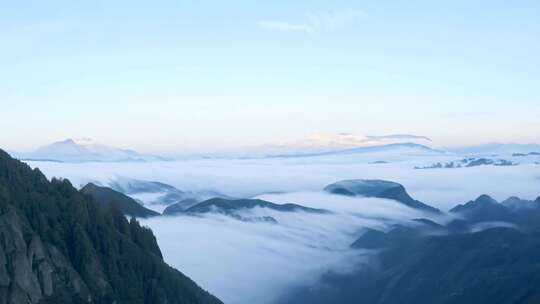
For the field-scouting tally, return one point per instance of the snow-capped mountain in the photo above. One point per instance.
(322, 142)
(85, 150)
(341, 143)
(344, 140)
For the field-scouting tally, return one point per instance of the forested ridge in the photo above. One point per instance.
(57, 245)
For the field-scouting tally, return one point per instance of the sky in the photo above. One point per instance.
(164, 76)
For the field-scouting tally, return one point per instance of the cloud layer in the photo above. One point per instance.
(246, 262)
(443, 188)
(316, 22)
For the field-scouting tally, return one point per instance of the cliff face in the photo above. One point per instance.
(31, 271)
(58, 245)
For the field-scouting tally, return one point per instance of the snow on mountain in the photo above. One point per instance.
(85, 150)
(320, 142)
(340, 143)
(407, 137)
(387, 152)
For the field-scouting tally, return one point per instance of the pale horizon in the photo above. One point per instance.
(212, 148)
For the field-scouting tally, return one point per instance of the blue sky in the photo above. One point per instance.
(183, 75)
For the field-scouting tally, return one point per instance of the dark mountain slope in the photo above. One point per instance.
(448, 264)
(497, 265)
(484, 208)
(523, 213)
(371, 239)
(107, 198)
(58, 245)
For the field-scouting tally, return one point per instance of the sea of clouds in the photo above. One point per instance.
(442, 188)
(259, 262)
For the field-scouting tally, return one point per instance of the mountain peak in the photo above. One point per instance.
(480, 202)
(68, 141)
(85, 150)
(351, 140)
(484, 198)
(511, 199)
(484, 208)
(84, 141)
(377, 188)
(109, 198)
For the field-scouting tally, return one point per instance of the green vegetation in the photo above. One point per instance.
(57, 245)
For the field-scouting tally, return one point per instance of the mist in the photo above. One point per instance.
(258, 262)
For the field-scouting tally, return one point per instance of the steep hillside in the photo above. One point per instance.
(58, 245)
(490, 255)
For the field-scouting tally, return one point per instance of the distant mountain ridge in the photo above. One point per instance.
(486, 256)
(406, 148)
(159, 195)
(226, 206)
(109, 198)
(512, 210)
(321, 144)
(85, 150)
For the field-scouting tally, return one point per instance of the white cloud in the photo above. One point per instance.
(442, 188)
(317, 22)
(285, 26)
(243, 262)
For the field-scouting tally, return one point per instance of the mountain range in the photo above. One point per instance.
(225, 206)
(85, 150)
(157, 195)
(407, 148)
(109, 198)
(492, 259)
(329, 144)
(60, 245)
